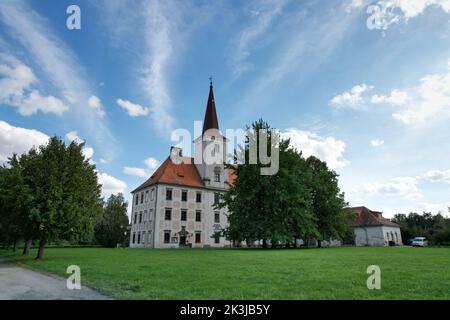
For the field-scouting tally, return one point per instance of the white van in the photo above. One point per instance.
(419, 242)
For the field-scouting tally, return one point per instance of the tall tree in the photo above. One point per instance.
(268, 207)
(110, 231)
(327, 200)
(67, 195)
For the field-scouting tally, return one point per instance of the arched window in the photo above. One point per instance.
(139, 238)
(387, 235)
(134, 238)
(143, 237)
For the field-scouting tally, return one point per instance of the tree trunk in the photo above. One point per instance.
(264, 245)
(26, 247)
(15, 245)
(42, 242)
(319, 243)
(295, 243)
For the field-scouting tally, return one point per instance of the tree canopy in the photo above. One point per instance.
(301, 201)
(50, 193)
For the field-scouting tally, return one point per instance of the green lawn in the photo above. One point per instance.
(332, 273)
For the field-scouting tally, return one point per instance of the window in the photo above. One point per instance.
(183, 215)
(135, 218)
(387, 235)
(168, 194)
(217, 177)
(137, 200)
(143, 237)
(216, 198)
(134, 238)
(184, 195)
(145, 215)
(168, 215)
(150, 215)
(140, 217)
(146, 196)
(152, 194)
(217, 238)
(139, 238)
(142, 197)
(198, 197)
(198, 237)
(198, 216)
(216, 217)
(166, 236)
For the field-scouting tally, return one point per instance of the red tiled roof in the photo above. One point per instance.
(210, 121)
(185, 174)
(368, 218)
(231, 177)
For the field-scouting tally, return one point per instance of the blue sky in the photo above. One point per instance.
(372, 102)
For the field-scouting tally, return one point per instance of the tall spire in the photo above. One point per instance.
(210, 121)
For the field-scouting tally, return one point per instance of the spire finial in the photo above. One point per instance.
(210, 81)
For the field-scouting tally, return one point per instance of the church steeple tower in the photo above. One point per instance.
(210, 121)
(211, 148)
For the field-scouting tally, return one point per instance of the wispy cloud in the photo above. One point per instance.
(262, 14)
(307, 42)
(60, 66)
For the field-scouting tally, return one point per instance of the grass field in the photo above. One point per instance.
(332, 273)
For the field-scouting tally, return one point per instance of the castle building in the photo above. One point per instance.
(175, 206)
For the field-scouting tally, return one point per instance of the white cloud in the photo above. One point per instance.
(151, 163)
(438, 175)
(259, 22)
(396, 98)
(405, 187)
(88, 152)
(95, 103)
(133, 109)
(73, 136)
(135, 172)
(423, 102)
(161, 29)
(352, 98)
(110, 184)
(15, 89)
(58, 64)
(376, 142)
(327, 149)
(18, 140)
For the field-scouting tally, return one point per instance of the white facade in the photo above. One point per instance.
(377, 235)
(152, 228)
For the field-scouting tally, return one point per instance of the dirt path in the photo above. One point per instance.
(18, 283)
